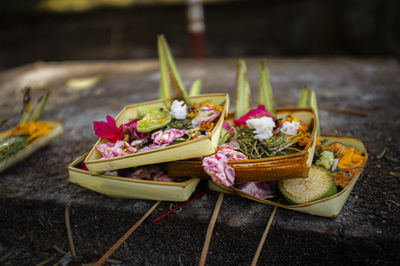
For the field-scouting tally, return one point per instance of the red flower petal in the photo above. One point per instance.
(108, 130)
(260, 111)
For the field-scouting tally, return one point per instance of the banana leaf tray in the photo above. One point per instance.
(268, 169)
(327, 207)
(129, 188)
(202, 146)
(57, 129)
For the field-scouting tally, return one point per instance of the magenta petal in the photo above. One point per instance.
(111, 123)
(226, 126)
(260, 111)
(107, 129)
(83, 166)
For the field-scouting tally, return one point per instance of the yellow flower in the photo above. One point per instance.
(34, 130)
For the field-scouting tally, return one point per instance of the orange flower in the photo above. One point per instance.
(192, 114)
(207, 125)
(34, 130)
(348, 158)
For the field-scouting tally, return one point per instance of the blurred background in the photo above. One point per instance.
(54, 30)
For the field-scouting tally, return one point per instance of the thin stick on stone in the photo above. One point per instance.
(5, 256)
(120, 241)
(113, 261)
(264, 236)
(46, 261)
(68, 226)
(67, 255)
(210, 229)
(59, 250)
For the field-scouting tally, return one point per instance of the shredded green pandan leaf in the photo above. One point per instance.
(10, 146)
(257, 149)
(180, 123)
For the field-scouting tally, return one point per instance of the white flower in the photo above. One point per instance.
(262, 126)
(290, 128)
(178, 109)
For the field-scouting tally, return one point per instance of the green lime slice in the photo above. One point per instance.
(318, 185)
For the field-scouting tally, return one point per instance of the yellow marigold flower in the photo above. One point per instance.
(208, 126)
(349, 158)
(34, 130)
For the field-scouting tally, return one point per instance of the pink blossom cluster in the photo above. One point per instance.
(167, 137)
(120, 148)
(151, 172)
(115, 149)
(259, 189)
(217, 166)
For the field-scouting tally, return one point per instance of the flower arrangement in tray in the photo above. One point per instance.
(336, 166)
(254, 147)
(326, 188)
(160, 131)
(29, 135)
(157, 127)
(260, 144)
(143, 135)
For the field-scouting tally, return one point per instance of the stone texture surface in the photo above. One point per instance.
(34, 193)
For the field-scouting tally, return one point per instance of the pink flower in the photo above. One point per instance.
(152, 147)
(108, 130)
(260, 111)
(167, 137)
(228, 127)
(119, 148)
(149, 173)
(258, 189)
(217, 165)
(131, 130)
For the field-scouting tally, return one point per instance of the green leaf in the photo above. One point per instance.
(176, 79)
(303, 101)
(195, 89)
(308, 98)
(27, 106)
(265, 94)
(243, 92)
(165, 90)
(37, 112)
(314, 106)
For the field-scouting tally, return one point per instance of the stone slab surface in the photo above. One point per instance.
(34, 193)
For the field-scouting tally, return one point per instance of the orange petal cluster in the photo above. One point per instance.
(34, 130)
